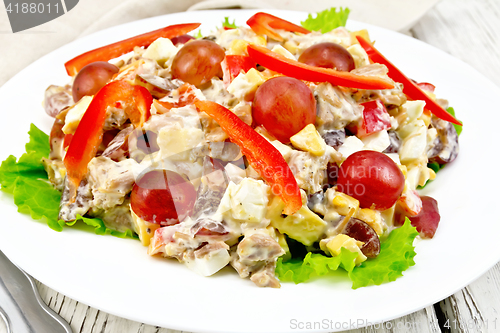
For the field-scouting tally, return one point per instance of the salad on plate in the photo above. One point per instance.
(285, 151)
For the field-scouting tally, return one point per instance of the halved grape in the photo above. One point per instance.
(428, 219)
(91, 78)
(328, 55)
(361, 231)
(284, 106)
(182, 39)
(198, 62)
(162, 197)
(372, 178)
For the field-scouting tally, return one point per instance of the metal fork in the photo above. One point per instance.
(21, 307)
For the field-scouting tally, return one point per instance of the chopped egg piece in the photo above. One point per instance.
(351, 145)
(377, 141)
(245, 84)
(284, 52)
(246, 202)
(161, 50)
(75, 115)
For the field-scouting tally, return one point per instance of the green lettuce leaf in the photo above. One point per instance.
(39, 199)
(29, 165)
(396, 255)
(227, 24)
(27, 181)
(198, 35)
(314, 264)
(458, 128)
(435, 167)
(100, 228)
(327, 20)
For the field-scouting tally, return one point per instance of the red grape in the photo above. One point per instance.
(91, 78)
(198, 62)
(182, 39)
(328, 55)
(284, 106)
(372, 178)
(162, 197)
(428, 219)
(363, 232)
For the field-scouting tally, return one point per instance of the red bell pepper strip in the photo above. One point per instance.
(281, 64)
(233, 65)
(410, 88)
(115, 50)
(88, 134)
(67, 140)
(139, 110)
(261, 154)
(264, 24)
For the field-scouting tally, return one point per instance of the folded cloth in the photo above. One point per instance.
(22, 48)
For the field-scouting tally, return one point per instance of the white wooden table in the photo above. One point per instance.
(467, 29)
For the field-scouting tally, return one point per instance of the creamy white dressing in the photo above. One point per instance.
(241, 229)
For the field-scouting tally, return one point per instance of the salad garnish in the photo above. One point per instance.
(327, 20)
(279, 150)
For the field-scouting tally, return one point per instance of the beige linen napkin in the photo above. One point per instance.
(21, 49)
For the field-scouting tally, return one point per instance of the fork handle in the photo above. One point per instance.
(22, 305)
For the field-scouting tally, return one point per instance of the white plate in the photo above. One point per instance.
(117, 276)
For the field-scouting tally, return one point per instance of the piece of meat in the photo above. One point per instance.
(56, 99)
(445, 147)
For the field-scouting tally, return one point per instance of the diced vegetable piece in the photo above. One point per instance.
(375, 119)
(304, 226)
(308, 139)
(233, 65)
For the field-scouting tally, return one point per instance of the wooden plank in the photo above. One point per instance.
(423, 321)
(467, 30)
(476, 307)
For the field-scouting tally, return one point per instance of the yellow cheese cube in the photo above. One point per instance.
(303, 226)
(238, 47)
(144, 229)
(308, 139)
(362, 33)
(75, 114)
(291, 46)
(372, 218)
(342, 203)
(245, 84)
(343, 241)
(284, 52)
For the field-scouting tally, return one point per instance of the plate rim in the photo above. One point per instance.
(181, 14)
